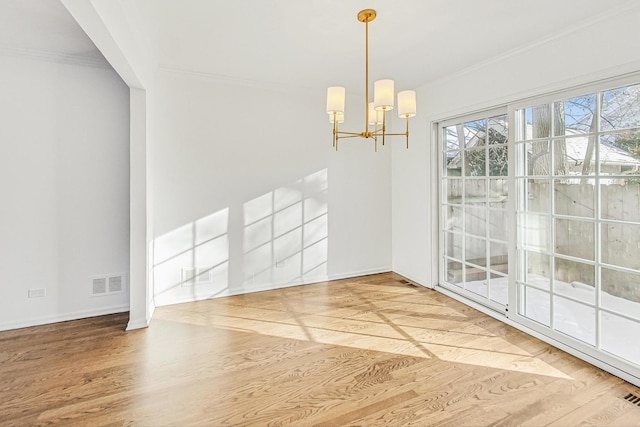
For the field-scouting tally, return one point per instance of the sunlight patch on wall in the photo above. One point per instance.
(192, 261)
(286, 234)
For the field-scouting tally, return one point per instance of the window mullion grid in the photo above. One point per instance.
(487, 212)
(463, 208)
(598, 221)
(443, 194)
(516, 119)
(552, 223)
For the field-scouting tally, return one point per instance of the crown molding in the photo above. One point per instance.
(235, 81)
(60, 58)
(613, 12)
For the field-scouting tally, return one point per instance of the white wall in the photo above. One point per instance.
(244, 177)
(64, 181)
(603, 48)
(106, 23)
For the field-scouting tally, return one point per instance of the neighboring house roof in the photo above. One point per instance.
(577, 145)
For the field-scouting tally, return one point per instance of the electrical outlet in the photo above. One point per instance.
(37, 293)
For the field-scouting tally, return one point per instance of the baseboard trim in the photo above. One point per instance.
(64, 317)
(412, 279)
(351, 275)
(140, 323)
(272, 286)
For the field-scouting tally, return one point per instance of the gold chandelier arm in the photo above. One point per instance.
(381, 132)
(357, 135)
(348, 133)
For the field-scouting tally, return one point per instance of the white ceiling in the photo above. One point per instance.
(313, 43)
(317, 43)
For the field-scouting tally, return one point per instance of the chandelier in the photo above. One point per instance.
(376, 111)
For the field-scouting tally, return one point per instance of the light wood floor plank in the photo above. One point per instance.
(366, 351)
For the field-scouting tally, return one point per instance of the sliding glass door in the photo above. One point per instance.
(578, 216)
(473, 213)
(540, 210)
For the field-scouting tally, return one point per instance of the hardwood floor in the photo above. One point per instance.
(366, 351)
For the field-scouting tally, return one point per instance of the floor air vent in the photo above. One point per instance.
(408, 283)
(633, 399)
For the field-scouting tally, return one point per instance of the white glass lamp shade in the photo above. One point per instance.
(407, 103)
(375, 116)
(335, 99)
(383, 94)
(339, 117)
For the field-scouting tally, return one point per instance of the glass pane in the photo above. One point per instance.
(475, 221)
(537, 306)
(576, 115)
(453, 191)
(575, 197)
(575, 280)
(476, 280)
(452, 140)
(475, 191)
(453, 272)
(620, 108)
(575, 319)
(453, 163)
(538, 197)
(533, 232)
(498, 161)
(620, 201)
(538, 118)
(453, 220)
(453, 243)
(620, 154)
(621, 292)
(574, 156)
(475, 250)
(498, 221)
(498, 257)
(499, 288)
(575, 238)
(474, 133)
(537, 156)
(619, 336)
(498, 192)
(536, 269)
(498, 131)
(619, 245)
(475, 162)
